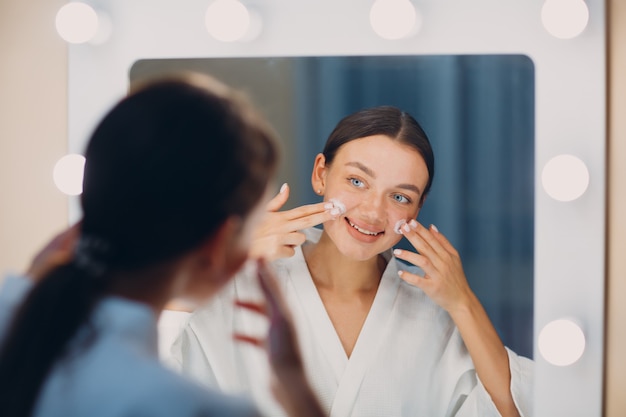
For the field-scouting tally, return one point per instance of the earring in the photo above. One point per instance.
(319, 191)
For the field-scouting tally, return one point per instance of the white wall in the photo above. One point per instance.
(33, 128)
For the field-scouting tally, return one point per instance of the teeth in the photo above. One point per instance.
(365, 232)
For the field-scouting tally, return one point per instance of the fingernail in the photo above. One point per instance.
(328, 206)
(413, 224)
(397, 252)
(283, 188)
(335, 212)
(406, 228)
(432, 226)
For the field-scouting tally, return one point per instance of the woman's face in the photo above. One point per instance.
(228, 250)
(380, 181)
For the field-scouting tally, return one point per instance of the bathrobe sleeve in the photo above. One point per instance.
(478, 402)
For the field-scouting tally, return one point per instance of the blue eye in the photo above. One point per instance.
(401, 199)
(356, 182)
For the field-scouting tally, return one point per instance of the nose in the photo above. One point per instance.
(373, 209)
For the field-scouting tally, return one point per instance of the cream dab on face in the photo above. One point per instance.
(398, 226)
(338, 207)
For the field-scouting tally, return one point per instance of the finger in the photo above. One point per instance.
(423, 240)
(255, 307)
(255, 341)
(293, 239)
(279, 199)
(270, 288)
(418, 260)
(311, 220)
(443, 240)
(415, 280)
(307, 210)
(277, 246)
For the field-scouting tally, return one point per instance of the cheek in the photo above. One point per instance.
(399, 215)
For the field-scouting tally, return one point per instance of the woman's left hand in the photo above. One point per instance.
(55, 253)
(444, 280)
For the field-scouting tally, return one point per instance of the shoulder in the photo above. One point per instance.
(174, 395)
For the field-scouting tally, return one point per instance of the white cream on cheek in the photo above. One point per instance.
(398, 226)
(339, 208)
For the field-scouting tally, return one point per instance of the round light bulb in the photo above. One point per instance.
(565, 177)
(68, 174)
(561, 342)
(77, 22)
(227, 20)
(394, 19)
(565, 19)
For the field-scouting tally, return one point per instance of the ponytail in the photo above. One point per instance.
(40, 332)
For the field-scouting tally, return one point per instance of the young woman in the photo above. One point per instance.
(175, 176)
(379, 338)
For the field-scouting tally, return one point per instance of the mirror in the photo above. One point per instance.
(568, 113)
(479, 113)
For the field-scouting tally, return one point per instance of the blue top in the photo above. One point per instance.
(119, 373)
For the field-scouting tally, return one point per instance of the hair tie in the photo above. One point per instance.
(90, 253)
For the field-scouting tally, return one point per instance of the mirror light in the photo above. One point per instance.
(77, 22)
(68, 174)
(561, 342)
(565, 177)
(394, 19)
(230, 21)
(565, 19)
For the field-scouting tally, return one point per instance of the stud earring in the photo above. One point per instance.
(319, 191)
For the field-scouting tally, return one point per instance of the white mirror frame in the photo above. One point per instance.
(570, 109)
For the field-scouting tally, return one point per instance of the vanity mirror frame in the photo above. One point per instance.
(570, 118)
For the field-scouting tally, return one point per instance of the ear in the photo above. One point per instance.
(318, 176)
(422, 201)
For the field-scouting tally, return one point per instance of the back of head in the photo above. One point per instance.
(164, 169)
(167, 165)
(382, 120)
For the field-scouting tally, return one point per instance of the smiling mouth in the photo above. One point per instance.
(365, 232)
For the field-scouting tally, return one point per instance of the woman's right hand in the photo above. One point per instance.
(280, 231)
(290, 385)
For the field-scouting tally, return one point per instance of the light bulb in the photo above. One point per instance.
(565, 177)
(565, 19)
(227, 20)
(561, 342)
(68, 174)
(394, 19)
(77, 22)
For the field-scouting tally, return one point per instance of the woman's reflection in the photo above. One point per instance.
(380, 337)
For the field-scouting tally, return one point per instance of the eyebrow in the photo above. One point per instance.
(368, 171)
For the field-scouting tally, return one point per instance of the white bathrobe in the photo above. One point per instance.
(409, 359)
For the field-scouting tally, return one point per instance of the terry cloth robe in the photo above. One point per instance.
(409, 359)
(118, 374)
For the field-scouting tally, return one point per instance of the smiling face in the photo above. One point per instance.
(380, 181)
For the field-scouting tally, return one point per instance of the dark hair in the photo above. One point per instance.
(383, 120)
(164, 169)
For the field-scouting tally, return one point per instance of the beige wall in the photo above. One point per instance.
(615, 389)
(33, 113)
(33, 102)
